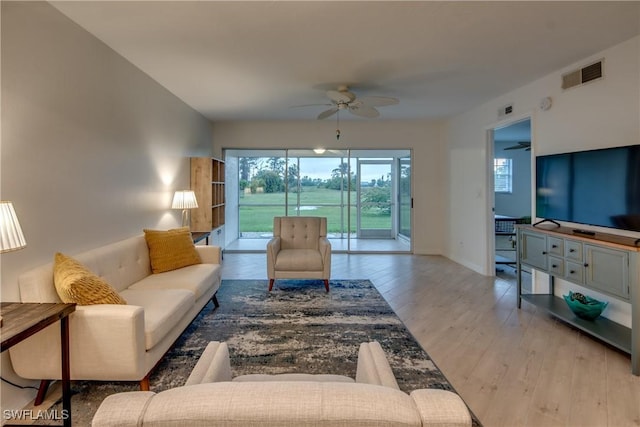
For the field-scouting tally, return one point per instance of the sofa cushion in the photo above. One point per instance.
(162, 310)
(195, 278)
(327, 378)
(171, 249)
(299, 260)
(76, 284)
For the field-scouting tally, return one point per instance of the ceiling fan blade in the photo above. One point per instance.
(378, 101)
(520, 146)
(362, 110)
(327, 113)
(340, 96)
(311, 105)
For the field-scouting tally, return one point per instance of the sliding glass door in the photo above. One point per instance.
(405, 201)
(364, 194)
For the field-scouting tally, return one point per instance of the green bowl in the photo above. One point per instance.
(584, 306)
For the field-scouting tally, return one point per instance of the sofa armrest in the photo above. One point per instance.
(97, 346)
(122, 409)
(273, 247)
(441, 408)
(373, 367)
(213, 365)
(210, 254)
(325, 251)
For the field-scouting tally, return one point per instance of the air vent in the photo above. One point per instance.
(505, 111)
(582, 75)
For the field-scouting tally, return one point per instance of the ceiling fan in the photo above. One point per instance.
(343, 99)
(526, 145)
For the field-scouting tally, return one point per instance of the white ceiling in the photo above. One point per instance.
(240, 60)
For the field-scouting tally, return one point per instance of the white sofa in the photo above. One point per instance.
(211, 397)
(118, 342)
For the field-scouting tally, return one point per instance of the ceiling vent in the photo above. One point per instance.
(582, 75)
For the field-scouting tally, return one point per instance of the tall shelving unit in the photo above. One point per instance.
(207, 182)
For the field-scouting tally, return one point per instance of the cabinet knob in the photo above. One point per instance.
(572, 272)
(554, 246)
(586, 264)
(544, 252)
(554, 266)
(572, 250)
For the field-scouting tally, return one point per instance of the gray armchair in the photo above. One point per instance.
(299, 249)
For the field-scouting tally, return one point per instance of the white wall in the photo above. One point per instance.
(424, 138)
(599, 114)
(92, 148)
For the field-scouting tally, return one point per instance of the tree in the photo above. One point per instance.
(273, 183)
(245, 164)
(377, 200)
(276, 164)
(340, 178)
(292, 177)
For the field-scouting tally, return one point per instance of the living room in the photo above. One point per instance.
(93, 147)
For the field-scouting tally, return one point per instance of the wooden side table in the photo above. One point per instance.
(22, 320)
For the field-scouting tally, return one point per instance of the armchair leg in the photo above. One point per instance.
(144, 383)
(42, 392)
(326, 284)
(214, 298)
(271, 284)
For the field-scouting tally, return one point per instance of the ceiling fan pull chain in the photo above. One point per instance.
(338, 127)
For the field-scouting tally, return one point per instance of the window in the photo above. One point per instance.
(502, 175)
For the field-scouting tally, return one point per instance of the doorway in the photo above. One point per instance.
(512, 174)
(375, 208)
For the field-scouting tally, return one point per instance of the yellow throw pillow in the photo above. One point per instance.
(171, 249)
(75, 283)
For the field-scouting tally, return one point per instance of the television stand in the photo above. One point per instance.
(605, 263)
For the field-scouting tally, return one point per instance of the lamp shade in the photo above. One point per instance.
(184, 199)
(11, 237)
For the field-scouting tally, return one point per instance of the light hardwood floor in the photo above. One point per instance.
(512, 367)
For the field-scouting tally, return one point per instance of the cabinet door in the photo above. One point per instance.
(607, 270)
(533, 250)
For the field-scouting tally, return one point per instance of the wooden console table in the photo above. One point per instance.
(22, 320)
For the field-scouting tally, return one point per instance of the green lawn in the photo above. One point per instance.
(257, 216)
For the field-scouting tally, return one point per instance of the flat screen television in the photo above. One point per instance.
(595, 187)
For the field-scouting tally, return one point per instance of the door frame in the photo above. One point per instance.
(393, 178)
(490, 260)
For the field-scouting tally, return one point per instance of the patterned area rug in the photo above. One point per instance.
(298, 327)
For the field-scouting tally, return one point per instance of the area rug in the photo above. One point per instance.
(297, 327)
